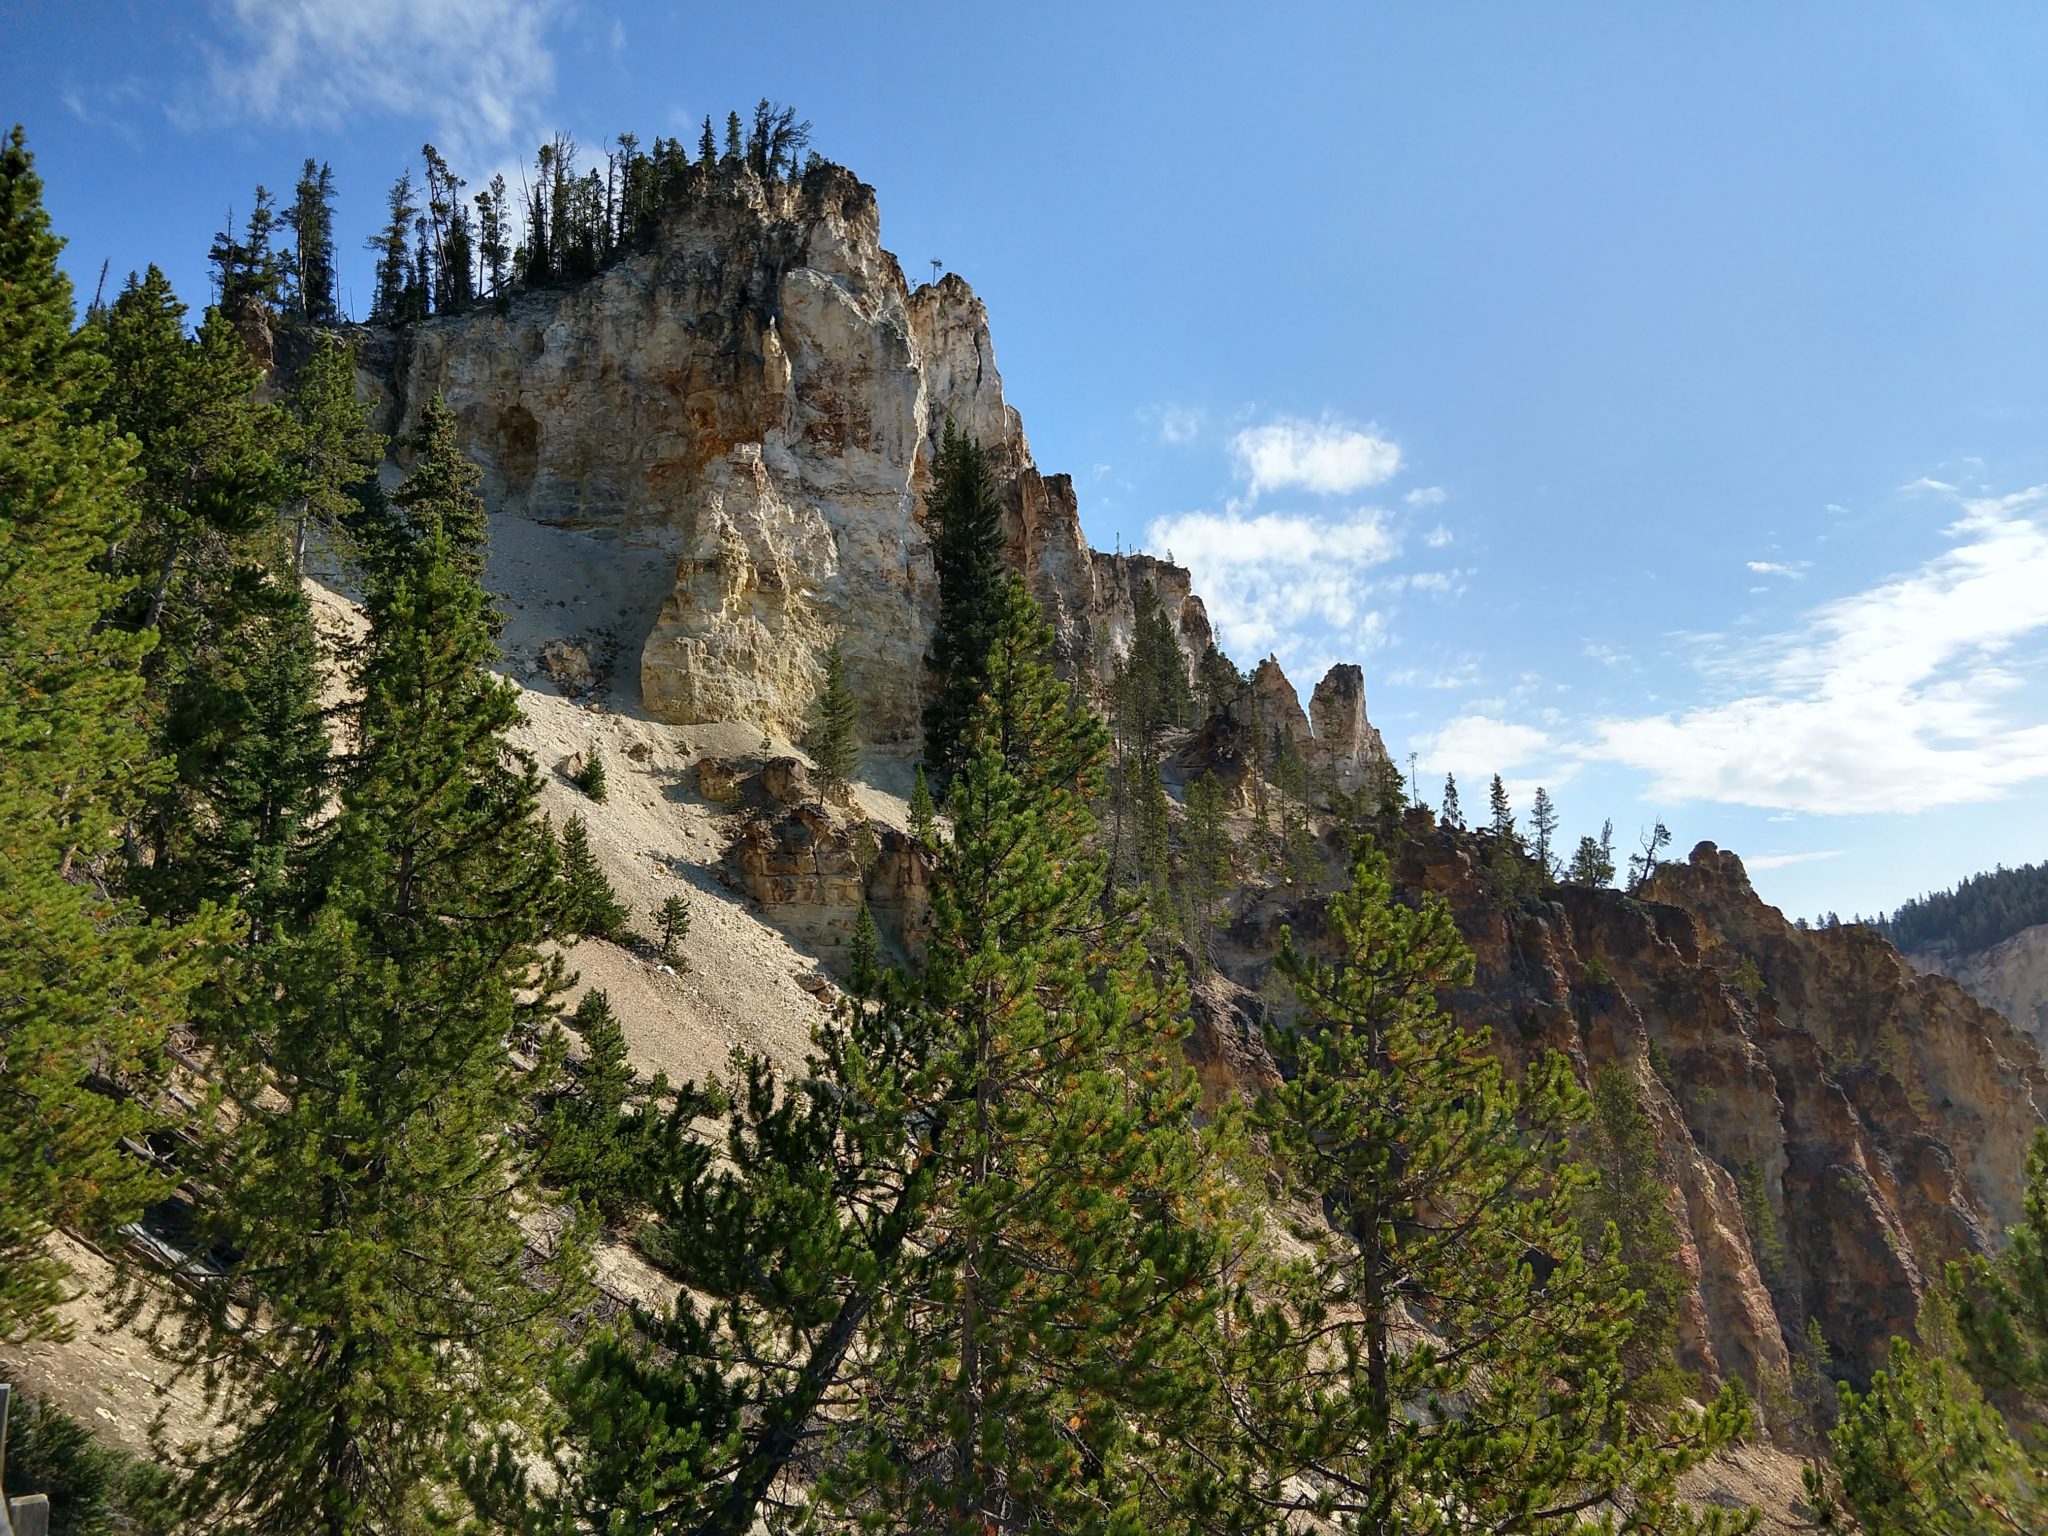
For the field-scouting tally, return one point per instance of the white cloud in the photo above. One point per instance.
(1271, 578)
(1438, 537)
(474, 71)
(1777, 568)
(1325, 457)
(1476, 746)
(1426, 496)
(1177, 424)
(1780, 860)
(1886, 700)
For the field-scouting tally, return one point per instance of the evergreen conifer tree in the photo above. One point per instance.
(1206, 868)
(864, 953)
(1452, 815)
(207, 452)
(1053, 1339)
(1543, 819)
(1500, 815)
(393, 271)
(607, 1140)
(1630, 1195)
(440, 493)
(1448, 1206)
(331, 455)
(1219, 681)
(672, 920)
(364, 1196)
(87, 994)
(253, 767)
(924, 816)
(966, 521)
(589, 907)
(835, 740)
(309, 285)
(1950, 1440)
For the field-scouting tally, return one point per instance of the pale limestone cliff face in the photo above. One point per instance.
(2010, 977)
(756, 401)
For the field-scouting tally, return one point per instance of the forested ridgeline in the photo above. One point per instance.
(1976, 914)
(281, 1031)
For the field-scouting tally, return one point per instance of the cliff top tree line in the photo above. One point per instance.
(444, 248)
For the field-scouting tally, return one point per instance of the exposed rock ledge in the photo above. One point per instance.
(757, 397)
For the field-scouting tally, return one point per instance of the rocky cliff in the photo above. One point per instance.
(2011, 977)
(754, 402)
(1833, 1125)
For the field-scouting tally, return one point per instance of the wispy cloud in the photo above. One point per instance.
(1176, 424)
(1781, 860)
(1889, 699)
(474, 72)
(1475, 746)
(1271, 578)
(1792, 569)
(1325, 457)
(1426, 496)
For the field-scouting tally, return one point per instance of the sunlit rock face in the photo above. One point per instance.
(756, 399)
(1883, 1117)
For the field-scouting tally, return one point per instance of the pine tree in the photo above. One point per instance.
(966, 522)
(1449, 1208)
(924, 816)
(253, 770)
(1643, 863)
(1218, 681)
(1500, 815)
(607, 1141)
(394, 276)
(331, 454)
(1452, 815)
(364, 1186)
(864, 953)
(589, 907)
(835, 739)
(87, 994)
(1151, 688)
(1206, 867)
(309, 285)
(1620, 1145)
(439, 496)
(590, 776)
(735, 148)
(1074, 1278)
(248, 270)
(210, 477)
(707, 145)
(1543, 818)
(672, 920)
(1949, 1439)
(493, 235)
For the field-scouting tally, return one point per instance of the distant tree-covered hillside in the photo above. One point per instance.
(1983, 910)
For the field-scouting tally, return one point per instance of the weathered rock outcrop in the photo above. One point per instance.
(2011, 977)
(1881, 1115)
(1240, 743)
(757, 398)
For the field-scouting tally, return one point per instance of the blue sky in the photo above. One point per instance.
(1652, 398)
